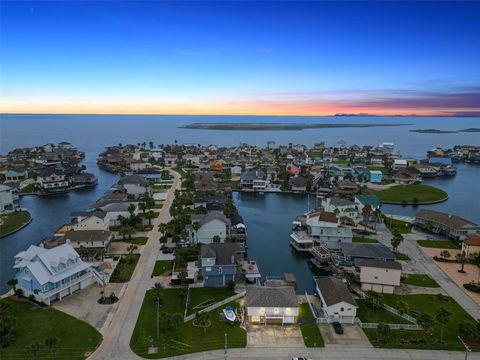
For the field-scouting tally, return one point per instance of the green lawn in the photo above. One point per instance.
(162, 186)
(161, 267)
(156, 206)
(181, 171)
(144, 214)
(235, 185)
(401, 256)
(393, 224)
(428, 304)
(184, 338)
(142, 240)
(315, 154)
(412, 194)
(35, 323)
(13, 221)
(341, 162)
(200, 295)
(439, 244)
(421, 280)
(362, 239)
(30, 188)
(124, 270)
(309, 328)
(369, 316)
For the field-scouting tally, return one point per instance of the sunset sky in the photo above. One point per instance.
(240, 57)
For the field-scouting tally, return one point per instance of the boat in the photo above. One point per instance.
(229, 314)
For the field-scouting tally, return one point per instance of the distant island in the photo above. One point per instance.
(277, 126)
(437, 131)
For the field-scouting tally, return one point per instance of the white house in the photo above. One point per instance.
(134, 186)
(341, 207)
(52, 274)
(85, 221)
(52, 180)
(191, 159)
(379, 276)
(399, 164)
(215, 223)
(170, 159)
(6, 200)
(136, 165)
(336, 300)
(91, 239)
(236, 170)
(271, 304)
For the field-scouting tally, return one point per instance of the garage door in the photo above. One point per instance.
(289, 319)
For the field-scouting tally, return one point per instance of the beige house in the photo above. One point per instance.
(271, 304)
(471, 245)
(379, 276)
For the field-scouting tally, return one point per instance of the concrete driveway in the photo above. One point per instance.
(273, 335)
(353, 335)
(84, 304)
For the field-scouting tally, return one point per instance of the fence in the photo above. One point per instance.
(216, 305)
(396, 312)
(391, 326)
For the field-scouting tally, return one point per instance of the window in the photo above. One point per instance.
(342, 309)
(208, 269)
(219, 269)
(375, 277)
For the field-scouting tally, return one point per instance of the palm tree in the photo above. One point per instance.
(426, 322)
(403, 307)
(383, 331)
(121, 219)
(51, 343)
(163, 228)
(13, 284)
(158, 290)
(129, 231)
(203, 319)
(366, 211)
(467, 330)
(142, 206)
(443, 317)
(396, 239)
(131, 209)
(462, 259)
(196, 226)
(150, 215)
(124, 231)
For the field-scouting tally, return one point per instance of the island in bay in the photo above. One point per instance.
(277, 126)
(437, 131)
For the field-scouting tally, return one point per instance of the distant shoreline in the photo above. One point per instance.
(277, 126)
(437, 131)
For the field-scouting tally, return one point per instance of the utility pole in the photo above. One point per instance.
(226, 356)
(467, 349)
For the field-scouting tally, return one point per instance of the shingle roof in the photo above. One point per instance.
(333, 290)
(252, 175)
(223, 252)
(276, 296)
(132, 179)
(375, 251)
(211, 215)
(379, 264)
(88, 235)
(368, 199)
(473, 240)
(328, 217)
(338, 201)
(452, 221)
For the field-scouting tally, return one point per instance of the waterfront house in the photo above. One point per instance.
(253, 180)
(471, 246)
(219, 263)
(134, 186)
(136, 165)
(84, 179)
(170, 159)
(116, 209)
(406, 176)
(399, 164)
(355, 251)
(346, 187)
(426, 170)
(51, 274)
(16, 174)
(372, 200)
(238, 230)
(336, 300)
(453, 226)
(205, 227)
(377, 275)
(318, 228)
(375, 176)
(205, 201)
(236, 170)
(271, 305)
(89, 220)
(150, 173)
(52, 180)
(343, 208)
(6, 200)
(298, 184)
(92, 239)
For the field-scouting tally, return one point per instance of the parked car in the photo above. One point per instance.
(300, 358)
(167, 250)
(338, 327)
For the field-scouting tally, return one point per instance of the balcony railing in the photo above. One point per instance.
(65, 286)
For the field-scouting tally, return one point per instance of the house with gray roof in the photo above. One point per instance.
(253, 180)
(205, 227)
(336, 300)
(219, 263)
(377, 275)
(271, 304)
(343, 208)
(354, 251)
(134, 186)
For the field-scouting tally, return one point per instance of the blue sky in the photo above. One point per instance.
(240, 57)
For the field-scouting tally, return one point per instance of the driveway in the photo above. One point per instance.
(84, 306)
(353, 335)
(273, 335)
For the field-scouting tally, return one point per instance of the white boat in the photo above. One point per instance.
(229, 313)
